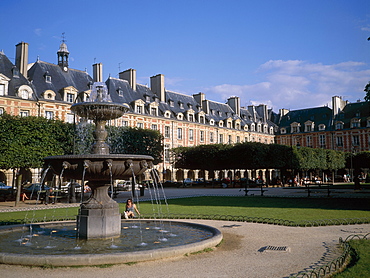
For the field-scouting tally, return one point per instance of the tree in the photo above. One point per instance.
(367, 90)
(128, 140)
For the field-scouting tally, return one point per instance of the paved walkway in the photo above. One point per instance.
(243, 252)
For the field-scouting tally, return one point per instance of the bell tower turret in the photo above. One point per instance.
(63, 55)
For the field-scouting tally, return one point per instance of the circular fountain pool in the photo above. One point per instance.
(56, 244)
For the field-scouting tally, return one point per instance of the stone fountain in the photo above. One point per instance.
(99, 217)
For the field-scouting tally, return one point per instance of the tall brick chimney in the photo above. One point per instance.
(21, 57)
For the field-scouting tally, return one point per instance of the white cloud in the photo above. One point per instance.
(296, 84)
(38, 32)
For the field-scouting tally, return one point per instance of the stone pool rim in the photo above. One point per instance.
(106, 259)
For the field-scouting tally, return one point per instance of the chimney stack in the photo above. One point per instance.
(98, 72)
(338, 104)
(157, 86)
(234, 103)
(21, 58)
(130, 76)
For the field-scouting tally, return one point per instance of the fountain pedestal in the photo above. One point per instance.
(99, 217)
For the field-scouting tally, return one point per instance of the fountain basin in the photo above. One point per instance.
(211, 238)
(100, 110)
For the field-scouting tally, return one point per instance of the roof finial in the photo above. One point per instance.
(63, 37)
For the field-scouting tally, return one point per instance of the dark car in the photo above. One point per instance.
(35, 187)
(6, 192)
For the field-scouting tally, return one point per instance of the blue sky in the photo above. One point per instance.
(285, 53)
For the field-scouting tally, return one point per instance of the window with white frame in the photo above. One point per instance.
(167, 131)
(309, 140)
(154, 127)
(237, 139)
(221, 124)
(1, 110)
(24, 113)
(140, 125)
(295, 127)
(201, 119)
(179, 133)
(355, 140)
(191, 134)
(181, 105)
(191, 117)
(139, 109)
(230, 141)
(308, 127)
(180, 116)
(201, 136)
(211, 138)
(70, 118)
(167, 114)
(220, 138)
(259, 128)
(2, 89)
(283, 131)
(265, 129)
(229, 124)
(153, 111)
(211, 122)
(70, 97)
(49, 115)
(167, 153)
(339, 141)
(322, 140)
(253, 127)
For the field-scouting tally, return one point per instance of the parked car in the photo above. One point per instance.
(35, 187)
(126, 185)
(65, 187)
(6, 192)
(188, 182)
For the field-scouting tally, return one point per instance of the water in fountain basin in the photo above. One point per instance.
(57, 240)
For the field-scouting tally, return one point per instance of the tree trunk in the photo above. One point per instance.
(19, 188)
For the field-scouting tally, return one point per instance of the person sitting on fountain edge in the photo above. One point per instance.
(130, 208)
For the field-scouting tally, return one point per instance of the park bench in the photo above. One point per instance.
(259, 189)
(329, 188)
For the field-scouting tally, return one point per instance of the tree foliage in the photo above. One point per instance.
(129, 140)
(253, 155)
(367, 90)
(25, 141)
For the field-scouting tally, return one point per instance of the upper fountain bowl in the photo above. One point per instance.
(99, 105)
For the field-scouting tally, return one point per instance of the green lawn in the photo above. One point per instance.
(360, 263)
(297, 210)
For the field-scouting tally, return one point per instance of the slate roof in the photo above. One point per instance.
(59, 79)
(319, 115)
(7, 68)
(359, 110)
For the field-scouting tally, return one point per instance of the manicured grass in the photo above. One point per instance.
(291, 209)
(360, 263)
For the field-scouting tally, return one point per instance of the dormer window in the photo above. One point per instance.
(339, 125)
(271, 130)
(167, 114)
(358, 114)
(221, 124)
(24, 92)
(259, 128)
(120, 91)
(15, 72)
(283, 131)
(139, 109)
(253, 127)
(321, 127)
(212, 122)
(219, 113)
(47, 77)
(295, 127)
(246, 127)
(355, 123)
(309, 126)
(153, 111)
(2, 89)
(171, 103)
(190, 106)
(191, 117)
(147, 98)
(201, 119)
(181, 105)
(180, 116)
(264, 128)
